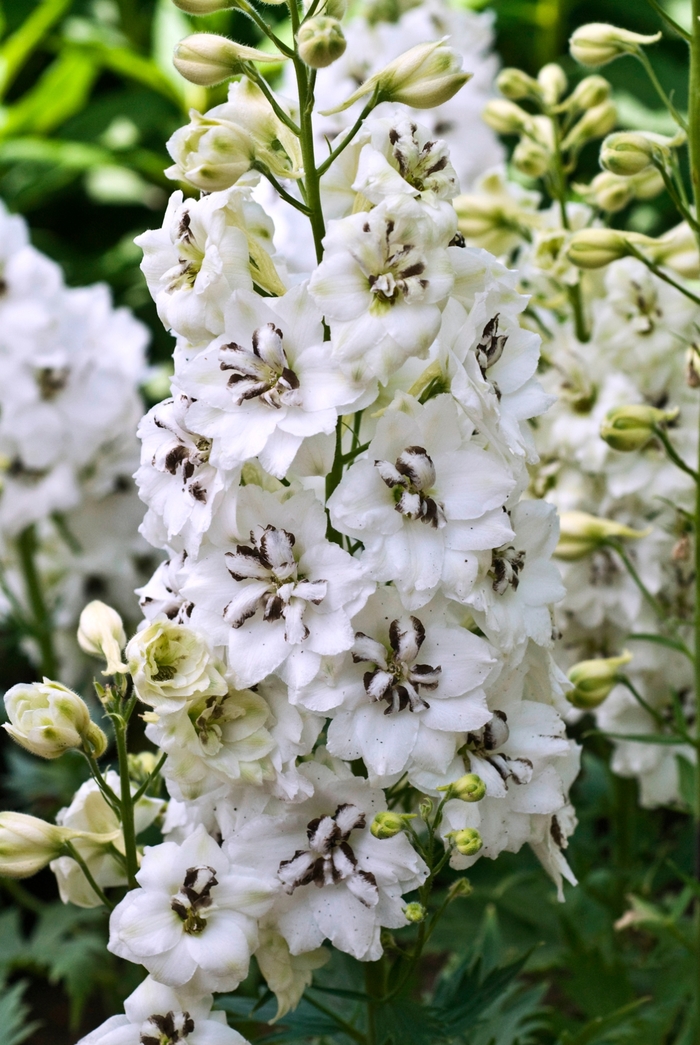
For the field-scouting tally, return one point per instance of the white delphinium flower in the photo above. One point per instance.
(273, 386)
(277, 594)
(194, 919)
(287, 975)
(337, 881)
(158, 1015)
(205, 251)
(412, 684)
(425, 488)
(170, 665)
(89, 811)
(382, 284)
(162, 597)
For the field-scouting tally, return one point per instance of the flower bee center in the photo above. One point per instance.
(491, 345)
(506, 567)
(167, 1029)
(421, 166)
(51, 381)
(485, 743)
(194, 897)
(396, 678)
(411, 480)
(263, 373)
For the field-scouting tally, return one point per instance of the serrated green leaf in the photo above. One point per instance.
(406, 1022)
(13, 1015)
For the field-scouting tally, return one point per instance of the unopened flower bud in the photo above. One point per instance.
(595, 123)
(101, 633)
(589, 92)
(552, 81)
(515, 84)
(629, 428)
(599, 43)
(425, 808)
(581, 533)
(467, 842)
(593, 680)
(462, 887)
(388, 824)
(207, 59)
(692, 366)
(608, 192)
(595, 248)
(204, 7)
(422, 77)
(321, 41)
(506, 117)
(141, 765)
(47, 719)
(626, 153)
(469, 788)
(335, 9)
(414, 912)
(531, 159)
(27, 844)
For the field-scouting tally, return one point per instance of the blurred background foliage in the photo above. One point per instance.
(88, 98)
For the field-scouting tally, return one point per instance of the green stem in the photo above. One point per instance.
(253, 74)
(42, 624)
(350, 134)
(127, 802)
(264, 28)
(348, 1029)
(109, 795)
(71, 851)
(151, 777)
(641, 56)
(282, 193)
(670, 22)
(656, 606)
(312, 190)
(22, 896)
(653, 267)
(560, 190)
(375, 979)
(333, 479)
(673, 455)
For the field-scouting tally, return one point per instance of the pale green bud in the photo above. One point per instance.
(204, 7)
(552, 82)
(388, 824)
(414, 912)
(207, 59)
(589, 92)
(626, 153)
(599, 43)
(581, 533)
(425, 808)
(506, 117)
(608, 192)
(595, 123)
(462, 887)
(469, 788)
(629, 428)
(595, 248)
(321, 41)
(515, 84)
(467, 842)
(593, 680)
(335, 9)
(27, 844)
(47, 719)
(531, 158)
(101, 633)
(422, 77)
(141, 765)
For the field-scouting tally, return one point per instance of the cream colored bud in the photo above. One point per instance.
(47, 719)
(27, 844)
(647, 185)
(581, 534)
(594, 248)
(678, 249)
(595, 123)
(467, 842)
(469, 788)
(207, 59)
(506, 117)
(101, 633)
(335, 9)
(141, 765)
(626, 153)
(424, 76)
(321, 41)
(531, 159)
(598, 43)
(589, 92)
(608, 192)
(415, 912)
(593, 680)
(629, 428)
(388, 824)
(515, 84)
(552, 81)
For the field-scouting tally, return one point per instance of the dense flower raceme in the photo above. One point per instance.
(337, 481)
(641, 353)
(70, 367)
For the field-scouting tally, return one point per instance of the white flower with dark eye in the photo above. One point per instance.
(200, 256)
(339, 882)
(161, 595)
(410, 688)
(278, 593)
(382, 284)
(175, 479)
(423, 491)
(520, 582)
(273, 386)
(158, 1015)
(194, 918)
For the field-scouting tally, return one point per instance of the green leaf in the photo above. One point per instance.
(687, 781)
(15, 50)
(60, 92)
(405, 1022)
(596, 1031)
(644, 738)
(304, 1022)
(135, 67)
(660, 640)
(13, 1015)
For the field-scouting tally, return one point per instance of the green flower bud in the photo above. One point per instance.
(593, 680)
(141, 765)
(581, 533)
(595, 123)
(335, 9)
(626, 153)
(46, 718)
(388, 824)
(321, 41)
(425, 808)
(101, 633)
(515, 84)
(415, 912)
(506, 117)
(595, 248)
(629, 428)
(589, 92)
(552, 81)
(467, 842)
(27, 844)
(598, 43)
(462, 887)
(207, 59)
(469, 788)
(608, 192)
(204, 7)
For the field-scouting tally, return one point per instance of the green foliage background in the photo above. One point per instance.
(89, 98)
